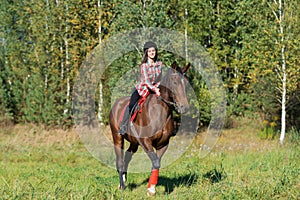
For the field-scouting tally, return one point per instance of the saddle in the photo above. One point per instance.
(138, 108)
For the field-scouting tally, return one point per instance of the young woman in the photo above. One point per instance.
(149, 80)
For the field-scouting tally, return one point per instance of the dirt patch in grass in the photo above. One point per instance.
(244, 137)
(31, 135)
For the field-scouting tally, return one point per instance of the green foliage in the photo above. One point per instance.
(43, 44)
(241, 105)
(269, 132)
(203, 101)
(294, 136)
(120, 80)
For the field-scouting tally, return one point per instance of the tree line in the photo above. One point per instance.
(254, 44)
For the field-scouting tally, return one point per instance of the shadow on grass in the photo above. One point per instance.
(170, 183)
(214, 175)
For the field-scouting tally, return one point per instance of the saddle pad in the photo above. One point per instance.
(138, 107)
(123, 112)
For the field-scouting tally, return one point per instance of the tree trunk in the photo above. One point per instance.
(186, 32)
(100, 104)
(284, 76)
(67, 66)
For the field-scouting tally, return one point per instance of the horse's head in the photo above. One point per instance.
(176, 82)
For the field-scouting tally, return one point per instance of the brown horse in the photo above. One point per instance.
(153, 127)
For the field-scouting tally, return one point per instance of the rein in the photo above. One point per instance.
(167, 102)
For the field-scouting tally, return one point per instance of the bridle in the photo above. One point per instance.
(169, 85)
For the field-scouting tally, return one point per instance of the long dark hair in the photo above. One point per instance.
(145, 57)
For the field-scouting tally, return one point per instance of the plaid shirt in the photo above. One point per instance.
(149, 75)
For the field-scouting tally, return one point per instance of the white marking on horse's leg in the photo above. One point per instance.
(151, 190)
(124, 178)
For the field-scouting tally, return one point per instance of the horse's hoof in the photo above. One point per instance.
(121, 187)
(151, 192)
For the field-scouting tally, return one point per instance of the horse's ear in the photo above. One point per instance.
(185, 68)
(174, 65)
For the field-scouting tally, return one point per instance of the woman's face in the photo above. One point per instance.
(151, 53)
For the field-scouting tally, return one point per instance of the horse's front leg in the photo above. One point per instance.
(155, 159)
(153, 180)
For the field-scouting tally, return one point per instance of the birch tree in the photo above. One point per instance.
(283, 71)
(274, 69)
(284, 12)
(100, 104)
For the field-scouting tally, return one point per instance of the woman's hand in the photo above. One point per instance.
(157, 92)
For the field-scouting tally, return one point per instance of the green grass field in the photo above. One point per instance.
(40, 164)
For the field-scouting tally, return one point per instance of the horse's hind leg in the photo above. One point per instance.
(119, 145)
